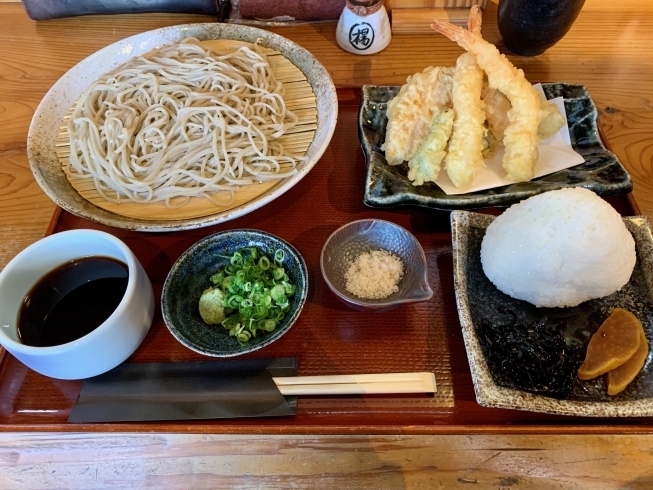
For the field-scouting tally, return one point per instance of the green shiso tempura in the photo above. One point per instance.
(249, 295)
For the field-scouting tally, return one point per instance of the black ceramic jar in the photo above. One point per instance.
(530, 27)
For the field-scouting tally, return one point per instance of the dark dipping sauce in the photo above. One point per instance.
(71, 301)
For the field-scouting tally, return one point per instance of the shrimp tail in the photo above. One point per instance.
(462, 37)
(475, 20)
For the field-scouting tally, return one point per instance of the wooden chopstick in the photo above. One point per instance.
(357, 384)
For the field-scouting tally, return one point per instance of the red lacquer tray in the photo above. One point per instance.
(328, 338)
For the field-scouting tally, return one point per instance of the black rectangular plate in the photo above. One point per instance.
(388, 186)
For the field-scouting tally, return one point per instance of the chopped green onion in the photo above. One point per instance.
(236, 259)
(256, 292)
(290, 288)
(277, 292)
(267, 325)
(264, 263)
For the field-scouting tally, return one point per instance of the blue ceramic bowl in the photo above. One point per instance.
(189, 277)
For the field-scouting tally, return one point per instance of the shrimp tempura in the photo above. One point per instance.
(496, 112)
(465, 156)
(520, 138)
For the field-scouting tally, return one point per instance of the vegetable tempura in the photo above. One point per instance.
(410, 113)
(425, 165)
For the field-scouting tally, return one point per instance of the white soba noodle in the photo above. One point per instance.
(179, 122)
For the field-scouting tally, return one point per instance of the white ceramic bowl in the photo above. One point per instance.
(106, 346)
(42, 136)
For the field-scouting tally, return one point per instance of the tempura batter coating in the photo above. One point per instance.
(497, 106)
(552, 120)
(520, 138)
(425, 165)
(409, 116)
(442, 89)
(466, 147)
(465, 156)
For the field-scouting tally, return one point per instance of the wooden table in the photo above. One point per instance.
(609, 49)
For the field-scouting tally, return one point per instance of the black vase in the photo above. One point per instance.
(530, 27)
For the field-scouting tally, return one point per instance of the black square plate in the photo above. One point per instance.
(388, 186)
(479, 300)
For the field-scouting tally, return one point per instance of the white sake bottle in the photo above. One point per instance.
(363, 27)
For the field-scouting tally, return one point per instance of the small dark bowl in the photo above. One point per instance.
(189, 277)
(363, 236)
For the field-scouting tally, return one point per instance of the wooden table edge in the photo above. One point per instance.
(185, 428)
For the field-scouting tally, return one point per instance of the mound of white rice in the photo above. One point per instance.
(559, 248)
